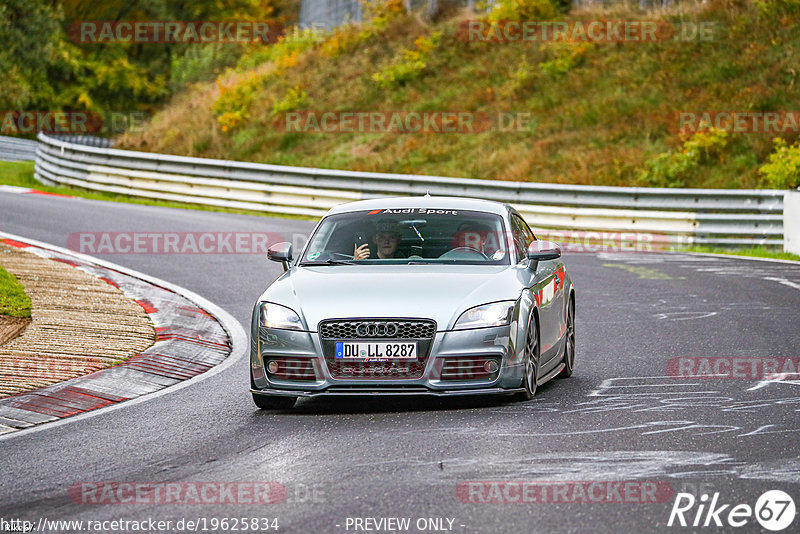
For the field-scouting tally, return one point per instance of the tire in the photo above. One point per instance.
(531, 370)
(569, 343)
(274, 402)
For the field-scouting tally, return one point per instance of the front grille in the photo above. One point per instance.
(419, 330)
(377, 328)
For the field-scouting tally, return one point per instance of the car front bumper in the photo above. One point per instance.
(497, 343)
(337, 392)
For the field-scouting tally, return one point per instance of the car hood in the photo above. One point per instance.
(438, 292)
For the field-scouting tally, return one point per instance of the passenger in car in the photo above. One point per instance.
(386, 239)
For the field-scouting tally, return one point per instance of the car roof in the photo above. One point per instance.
(428, 202)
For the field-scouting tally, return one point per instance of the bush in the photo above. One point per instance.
(566, 56)
(232, 106)
(233, 103)
(293, 99)
(675, 169)
(382, 9)
(203, 63)
(409, 64)
(783, 169)
(291, 44)
(776, 8)
(347, 38)
(522, 10)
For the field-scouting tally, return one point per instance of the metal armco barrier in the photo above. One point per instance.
(88, 140)
(16, 149)
(734, 217)
(791, 222)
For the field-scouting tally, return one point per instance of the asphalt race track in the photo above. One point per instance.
(621, 417)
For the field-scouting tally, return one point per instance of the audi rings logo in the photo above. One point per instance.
(376, 329)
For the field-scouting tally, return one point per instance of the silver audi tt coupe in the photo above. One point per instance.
(403, 296)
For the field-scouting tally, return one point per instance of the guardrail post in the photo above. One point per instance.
(791, 222)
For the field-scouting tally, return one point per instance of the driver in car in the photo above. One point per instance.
(472, 235)
(386, 238)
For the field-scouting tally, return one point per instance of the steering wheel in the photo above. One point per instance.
(459, 251)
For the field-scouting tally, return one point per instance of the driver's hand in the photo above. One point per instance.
(362, 252)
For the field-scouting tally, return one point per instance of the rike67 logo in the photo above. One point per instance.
(774, 510)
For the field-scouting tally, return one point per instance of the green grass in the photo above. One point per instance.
(13, 300)
(20, 174)
(756, 252)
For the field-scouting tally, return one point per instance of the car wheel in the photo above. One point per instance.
(274, 402)
(569, 344)
(531, 370)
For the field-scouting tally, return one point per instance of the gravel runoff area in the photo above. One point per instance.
(79, 324)
(183, 339)
(11, 327)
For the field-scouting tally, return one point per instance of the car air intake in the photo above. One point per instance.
(290, 368)
(469, 369)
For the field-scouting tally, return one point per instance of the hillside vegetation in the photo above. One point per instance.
(47, 67)
(602, 113)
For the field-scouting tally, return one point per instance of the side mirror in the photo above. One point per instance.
(281, 252)
(542, 251)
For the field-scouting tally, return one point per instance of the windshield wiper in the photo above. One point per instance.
(329, 262)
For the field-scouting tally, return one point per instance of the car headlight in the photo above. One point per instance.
(494, 314)
(277, 316)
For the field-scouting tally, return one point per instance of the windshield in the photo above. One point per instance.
(409, 236)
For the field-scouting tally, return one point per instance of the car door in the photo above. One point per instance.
(548, 293)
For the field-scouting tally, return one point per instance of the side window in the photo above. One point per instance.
(523, 236)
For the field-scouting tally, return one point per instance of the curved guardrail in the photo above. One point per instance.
(688, 216)
(16, 149)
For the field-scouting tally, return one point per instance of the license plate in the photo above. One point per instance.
(379, 350)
